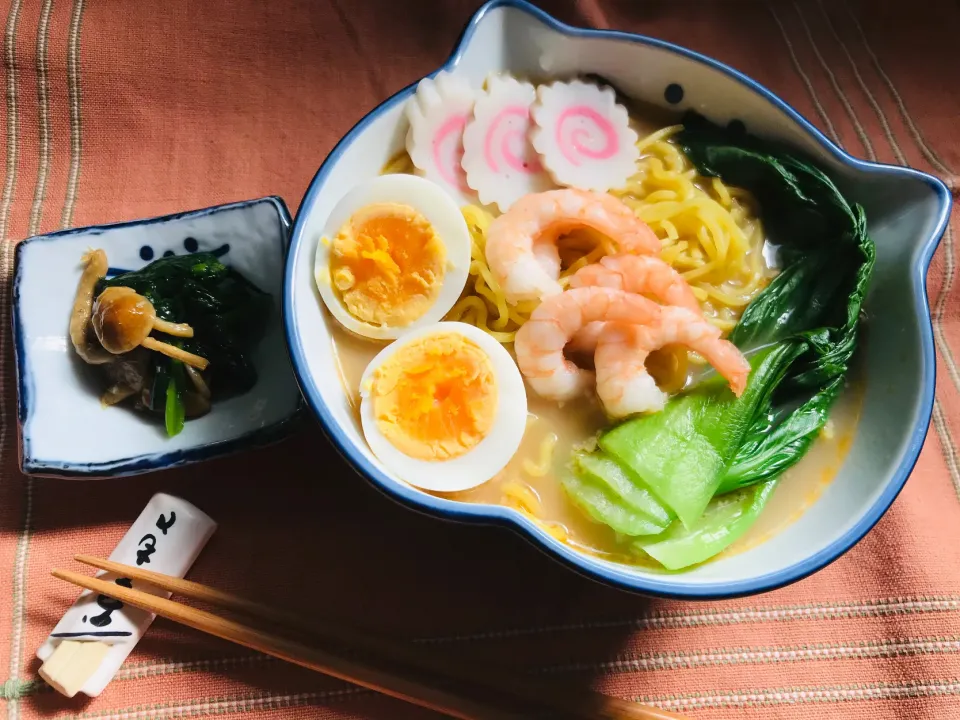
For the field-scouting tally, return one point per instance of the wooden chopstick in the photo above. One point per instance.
(204, 593)
(313, 658)
(365, 658)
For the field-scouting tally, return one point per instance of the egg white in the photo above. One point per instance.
(441, 212)
(486, 458)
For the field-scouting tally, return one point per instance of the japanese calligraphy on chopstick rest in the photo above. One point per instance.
(91, 641)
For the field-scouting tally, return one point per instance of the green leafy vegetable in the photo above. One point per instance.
(160, 373)
(793, 302)
(600, 503)
(681, 452)
(815, 302)
(707, 453)
(174, 412)
(602, 470)
(800, 206)
(772, 445)
(227, 312)
(725, 520)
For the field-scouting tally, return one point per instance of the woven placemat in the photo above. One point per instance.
(123, 110)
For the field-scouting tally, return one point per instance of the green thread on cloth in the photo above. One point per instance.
(149, 668)
(672, 619)
(12, 138)
(13, 122)
(754, 655)
(16, 689)
(43, 117)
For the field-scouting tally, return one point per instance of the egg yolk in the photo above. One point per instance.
(387, 264)
(435, 398)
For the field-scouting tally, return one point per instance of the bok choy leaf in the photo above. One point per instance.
(814, 302)
(800, 333)
(682, 452)
(725, 520)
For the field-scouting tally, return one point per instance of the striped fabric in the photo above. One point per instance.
(121, 110)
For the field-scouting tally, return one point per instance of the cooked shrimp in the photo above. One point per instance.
(643, 274)
(539, 343)
(521, 244)
(623, 383)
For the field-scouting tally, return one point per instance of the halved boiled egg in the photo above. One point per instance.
(443, 407)
(394, 255)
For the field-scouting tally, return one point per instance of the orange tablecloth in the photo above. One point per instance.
(118, 110)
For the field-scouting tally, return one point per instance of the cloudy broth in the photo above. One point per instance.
(553, 431)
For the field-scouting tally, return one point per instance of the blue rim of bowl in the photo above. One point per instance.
(138, 464)
(491, 514)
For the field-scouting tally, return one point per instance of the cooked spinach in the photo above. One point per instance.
(228, 315)
(174, 411)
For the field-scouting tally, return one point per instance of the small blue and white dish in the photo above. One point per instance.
(65, 431)
(907, 213)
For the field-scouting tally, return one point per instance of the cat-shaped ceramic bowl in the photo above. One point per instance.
(907, 213)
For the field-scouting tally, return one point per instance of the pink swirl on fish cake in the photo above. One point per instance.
(512, 139)
(448, 151)
(576, 148)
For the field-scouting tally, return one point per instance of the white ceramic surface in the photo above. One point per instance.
(166, 538)
(64, 429)
(907, 212)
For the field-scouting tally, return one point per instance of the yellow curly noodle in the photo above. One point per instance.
(524, 499)
(544, 460)
(399, 164)
(484, 304)
(710, 232)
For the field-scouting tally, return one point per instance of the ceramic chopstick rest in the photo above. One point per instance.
(94, 637)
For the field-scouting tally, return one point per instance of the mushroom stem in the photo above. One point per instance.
(195, 405)
(176, 353)
(176, 329)
(117, 394)
(81, 331)
(198, 382)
